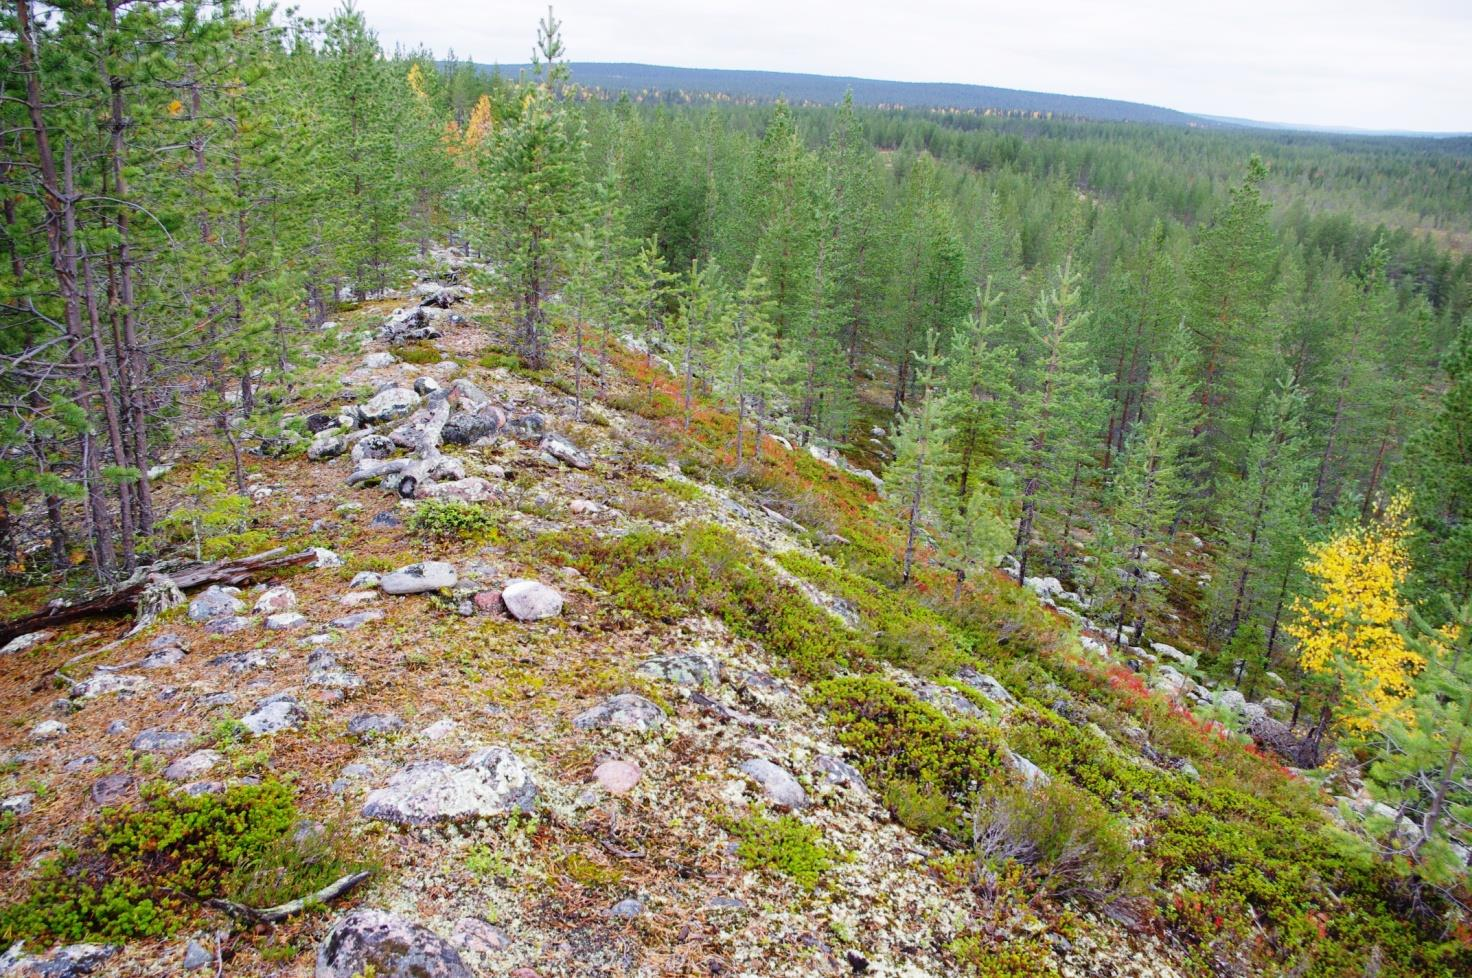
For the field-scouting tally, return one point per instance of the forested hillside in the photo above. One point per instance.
(682, 84)
(653, 538)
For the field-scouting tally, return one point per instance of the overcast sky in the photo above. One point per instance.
(1392, 64)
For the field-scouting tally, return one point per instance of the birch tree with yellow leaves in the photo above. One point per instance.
(1347, 627)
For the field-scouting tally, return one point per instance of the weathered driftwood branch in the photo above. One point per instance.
(125, 599)
(276, 914)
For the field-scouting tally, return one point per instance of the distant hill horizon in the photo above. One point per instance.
(828, 89)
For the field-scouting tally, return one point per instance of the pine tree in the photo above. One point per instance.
(915, 480)
(978, 383)
(1421, 767)
(1057, 411)
(1229, 275)
(702, 313)
(1438, 469)
(1151, 478)
(746, 351)
(534, 191)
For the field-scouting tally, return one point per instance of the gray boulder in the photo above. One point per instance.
(378, 943)
(780, 787)
(688, 669)
(531, 600)
(162, 741)
(466, 427)
(327, 445)
(987, 686)
(215, 602)
(273, 715)
(430, 575)
(490, 782)
(626, 711)
(388, 405)
(566, 452)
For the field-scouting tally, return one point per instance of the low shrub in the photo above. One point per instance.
(784, 845)
(901, 739)
(1070, 847)
(419, 353)
(449, 519)
(143, 869)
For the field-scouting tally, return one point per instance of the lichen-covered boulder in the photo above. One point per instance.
(429, 575)
(626, 711)
(531, 600)
(384, 945)
(491, 782)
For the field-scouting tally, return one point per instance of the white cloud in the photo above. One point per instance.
(1323, 62)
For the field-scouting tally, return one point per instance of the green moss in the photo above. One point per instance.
(784, 845)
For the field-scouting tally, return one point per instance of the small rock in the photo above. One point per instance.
(111, 789)
(487, 602)
(196, 957)
(626, 711)
(364, 579)
(215, 602)
(781, 788)
(566, 452)
(617, 777)
(986, 686)
(287, 620)
(531, 600)
(191, 767)
(72, 961)
(81, 763)
(688, 669)
(47, 731)
(626, 909)
(430, 575)
(273, 717)
(371, 724)
(162, 741)
(375, 942)
(276, 599)
(379, 360)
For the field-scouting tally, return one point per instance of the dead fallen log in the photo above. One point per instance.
(124, 600)
(276, 914)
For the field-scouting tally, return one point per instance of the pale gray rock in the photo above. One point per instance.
(215, 602)
(686, 669)
(388, 405)
(780, 787)
(26, 642)
(491, 782)
(192, 766)
(379, 360)
(1032, 775)
(987, 686)
(104, 683)
(531, 600)
(275, 600)
(273, 716)
(20, 804)
(566, 452)
(155, 740)
(196, 956)
(430, 575)
(626, 711)
(356, 620)
(382, 944)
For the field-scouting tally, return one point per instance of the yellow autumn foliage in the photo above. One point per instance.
(416, 81)
(1349, 623)
(482, 121)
